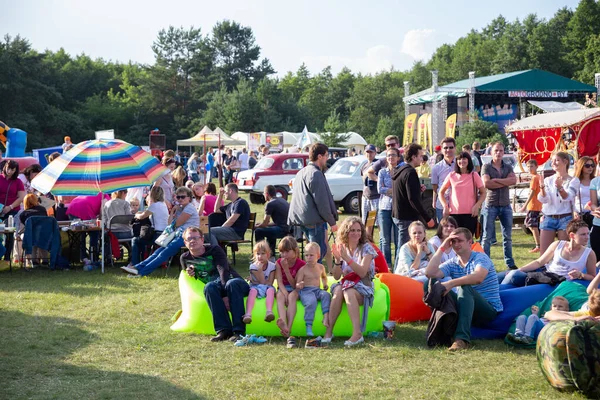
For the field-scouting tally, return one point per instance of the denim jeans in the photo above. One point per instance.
(402, 226)
(271, 233)
(439, 214)
(317, 234)
(505, 214)
(160, 256)
(235, 290)
(517, 277)
(138, 246)
(388, 234)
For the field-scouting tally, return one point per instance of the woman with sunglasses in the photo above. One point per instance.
(12, 193)
(182, 216)
(585, 171)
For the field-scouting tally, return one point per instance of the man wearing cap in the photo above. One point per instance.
(438, 156)
(370, 197)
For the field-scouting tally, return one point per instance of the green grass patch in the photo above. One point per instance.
(84, 335)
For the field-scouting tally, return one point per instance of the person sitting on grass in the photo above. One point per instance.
(262, 275)
(287, 268)
(528, 328)
(309, 287)
(589, 311)
(473, 274)
(209, 264)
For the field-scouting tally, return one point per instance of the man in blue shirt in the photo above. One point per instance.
(473, 274)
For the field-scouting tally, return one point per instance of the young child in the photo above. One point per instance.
(529, 327)
(262, 274)
(134, 204)
(533, 206)
(590, 310)
(309, 287)
(287, 267)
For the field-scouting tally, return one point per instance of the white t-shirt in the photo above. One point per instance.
(266, 272)
(160, 215)
(243, 158)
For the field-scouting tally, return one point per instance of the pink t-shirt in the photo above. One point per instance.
(462, 198)
(86, 207)
(9, 191)
(209, 204)
(294, 270)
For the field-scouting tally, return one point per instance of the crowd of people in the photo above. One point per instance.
(468, 194)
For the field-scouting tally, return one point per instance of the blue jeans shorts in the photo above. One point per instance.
(555, 224)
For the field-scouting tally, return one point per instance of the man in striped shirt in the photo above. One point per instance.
(473, 274)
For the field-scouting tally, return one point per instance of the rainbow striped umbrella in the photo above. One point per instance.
(103, 165)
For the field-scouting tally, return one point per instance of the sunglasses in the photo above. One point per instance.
(447, 148)
(589, 165)
(180, 197)
(192, 239)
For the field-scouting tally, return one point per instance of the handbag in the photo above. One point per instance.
(586, 217)
(168, 235)
(477, 232)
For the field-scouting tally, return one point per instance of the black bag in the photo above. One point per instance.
(541, 277)
(146, 224)
(588, 218)
(147, 233)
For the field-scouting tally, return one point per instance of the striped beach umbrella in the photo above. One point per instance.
(94, 166)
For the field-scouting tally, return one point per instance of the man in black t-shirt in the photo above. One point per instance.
(237, 213)
(209, 264)
(276, 209)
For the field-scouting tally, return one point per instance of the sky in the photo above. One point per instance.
(365, 36)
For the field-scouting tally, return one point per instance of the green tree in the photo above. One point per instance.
(479, 131)
(335, 129)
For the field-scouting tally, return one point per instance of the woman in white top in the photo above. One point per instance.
(159, 215)
(585, 172)
(166, 182)
(446, 226)
(415, 254)
(557, 195)
(570, 259)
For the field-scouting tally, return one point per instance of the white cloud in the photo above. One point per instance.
(421, 43)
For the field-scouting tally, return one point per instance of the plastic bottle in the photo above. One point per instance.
(11, 222)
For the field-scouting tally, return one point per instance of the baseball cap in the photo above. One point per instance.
(438, 148)
(370, 147)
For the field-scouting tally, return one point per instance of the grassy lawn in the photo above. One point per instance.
(79, 335)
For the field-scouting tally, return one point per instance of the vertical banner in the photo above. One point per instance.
(275, 140)
(409, 129)
(451, 125)
(422, 130)
(429, 144)
(253, 141)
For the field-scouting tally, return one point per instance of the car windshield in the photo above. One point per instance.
(264, 163)
(344, 167)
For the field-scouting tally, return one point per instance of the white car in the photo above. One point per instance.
(346, 183)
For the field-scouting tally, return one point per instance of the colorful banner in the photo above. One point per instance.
(275, 140)
(409, 129)
(422, 130)
(429, 144)
(500, 114)
(451, 126)
(254, 141)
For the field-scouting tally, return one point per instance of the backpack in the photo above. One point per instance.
(568, 353)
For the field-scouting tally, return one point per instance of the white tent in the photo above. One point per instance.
(210, 138)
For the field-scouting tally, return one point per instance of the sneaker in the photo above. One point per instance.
(514, 337)
(134, 276)
(458, 345)
(535, 250)
(291, 343)
(130, 270)
(243, 341)
(314, 343)
(528, 340)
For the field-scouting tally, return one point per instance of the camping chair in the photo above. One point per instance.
(126, 242)
(234, 243)
(41, 233)
(370, 223)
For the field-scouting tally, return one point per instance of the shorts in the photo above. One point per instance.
(532, 220)
(555, 224)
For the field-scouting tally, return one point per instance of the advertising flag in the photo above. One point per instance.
(409, 129)
(451, 125)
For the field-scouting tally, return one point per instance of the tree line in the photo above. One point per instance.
(220, 79)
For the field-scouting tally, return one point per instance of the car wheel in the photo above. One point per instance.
(256, 198)
(282, 192)
(352, 203)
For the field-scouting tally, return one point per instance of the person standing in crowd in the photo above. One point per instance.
(370, 197)
(230, 164)
(243, 159)
(585, 171)
(224, 282)
(557, 195)
(388, 231)
(276, 209)
(440, 171)
(166, 181)
(252, 160)
(438, 156)
(477, 152)
(497, 177)
(192, 166)
(312, 206)
(407, 205)
(533, 206)
(467, 193)
(210, 165)
(373, 170)
(475, 160)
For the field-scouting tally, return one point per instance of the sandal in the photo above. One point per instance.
(269, 317)
(291, 343)
(247, 319)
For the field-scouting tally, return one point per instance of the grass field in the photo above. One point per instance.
(84, 335)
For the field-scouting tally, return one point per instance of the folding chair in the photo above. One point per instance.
(234, 243)
(126, 242)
